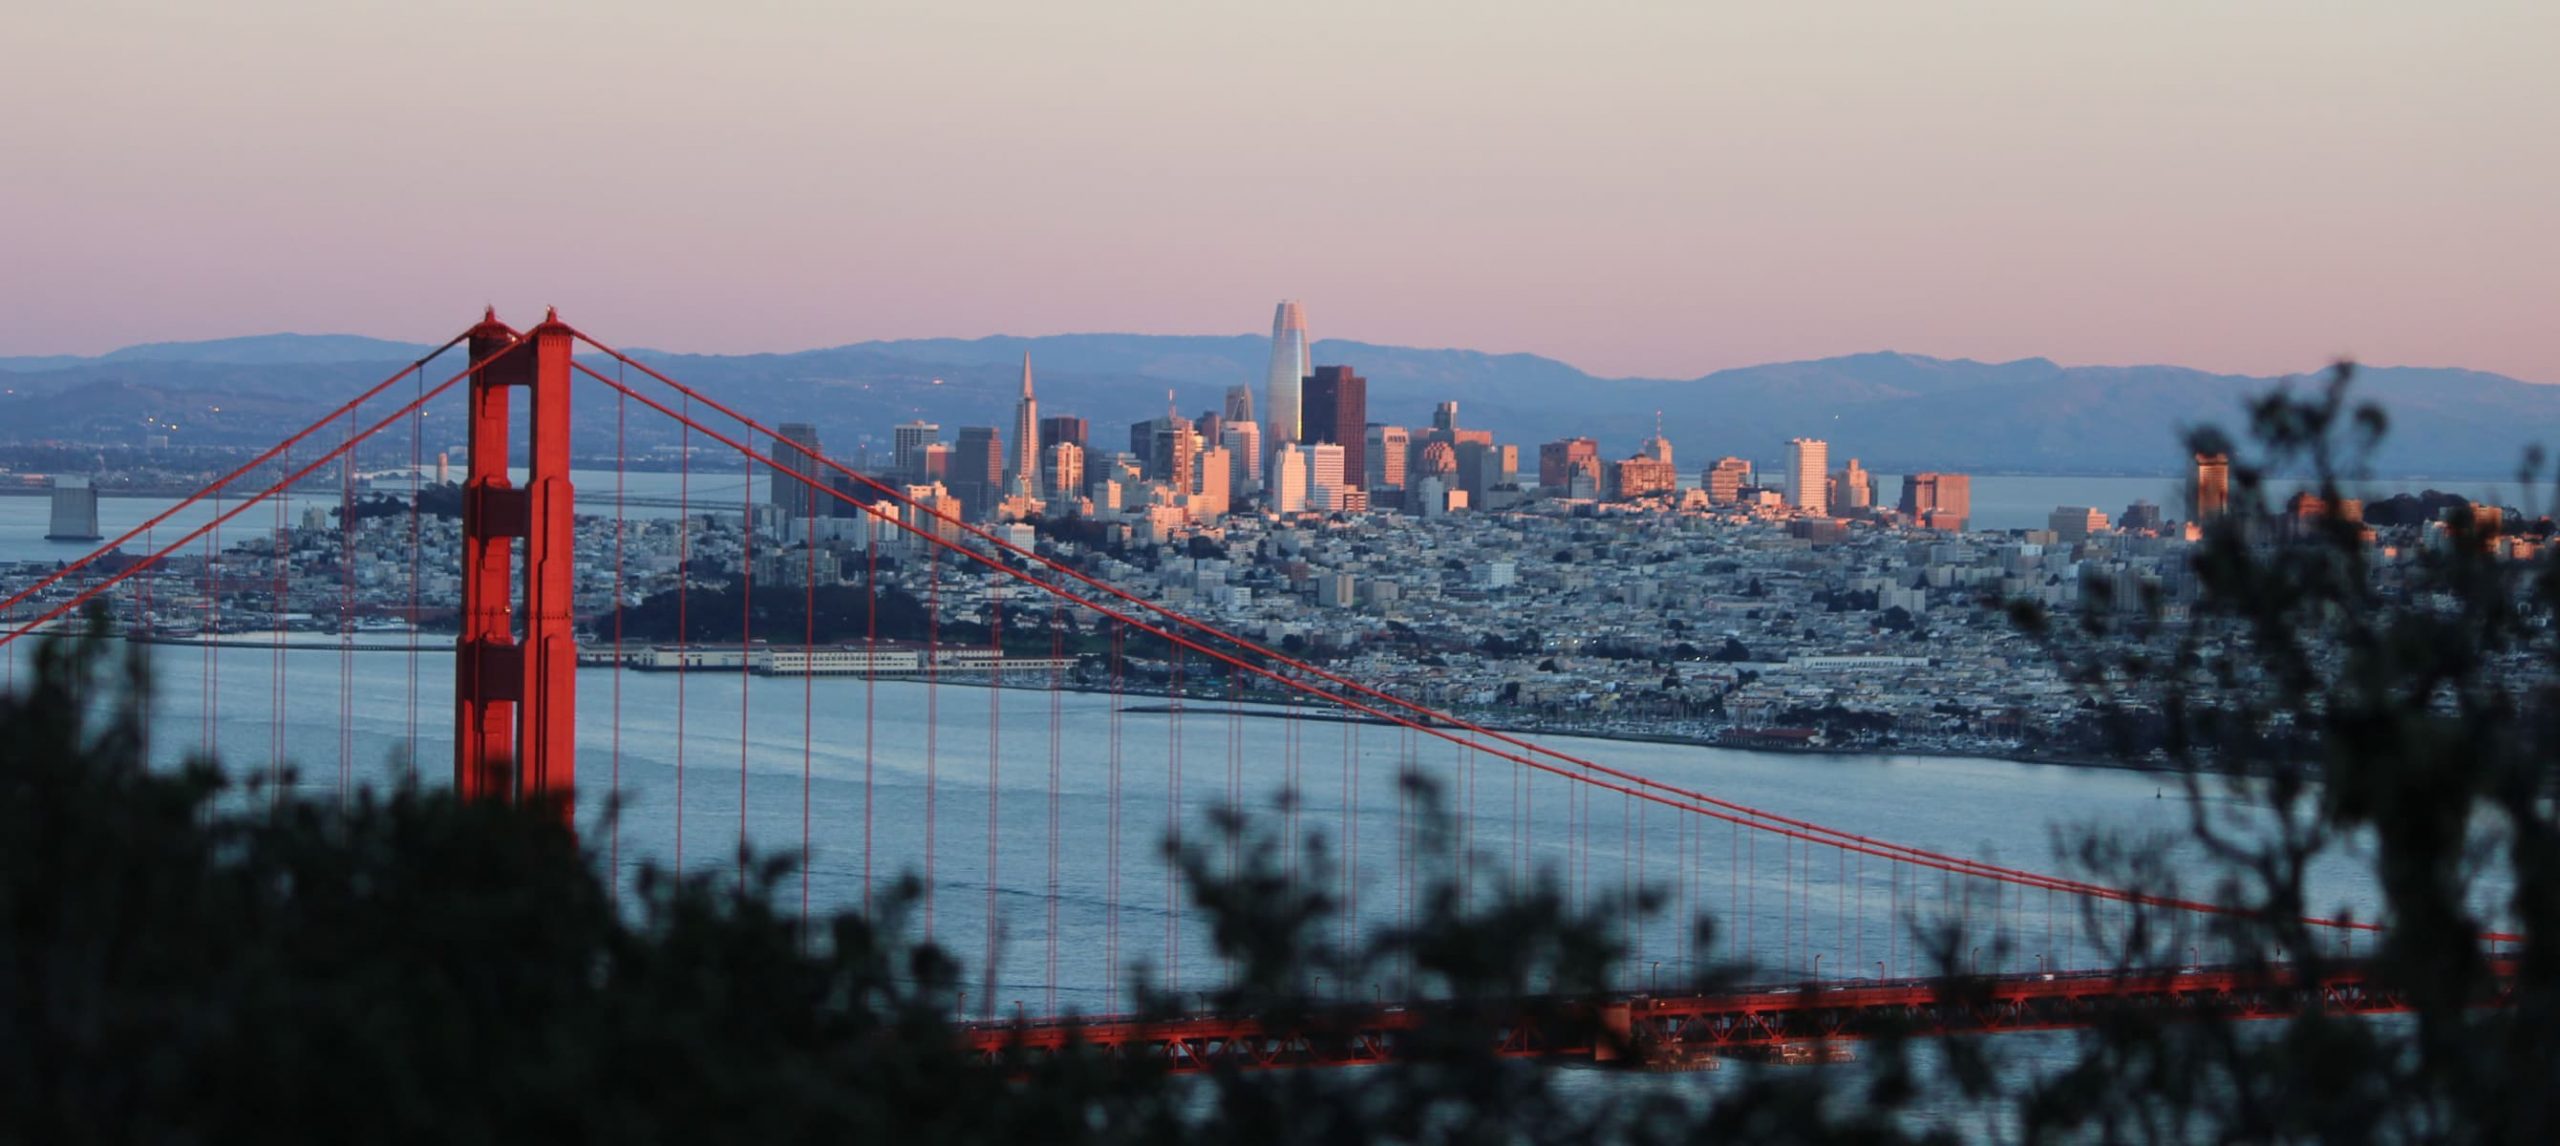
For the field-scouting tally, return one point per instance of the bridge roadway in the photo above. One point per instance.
(1674, 1031)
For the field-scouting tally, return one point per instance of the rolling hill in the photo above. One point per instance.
(1893, 411)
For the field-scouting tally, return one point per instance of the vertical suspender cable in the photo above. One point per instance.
(871, 538)
(212, 632)
(684, 600)
(1111, 841)
(808, 692)
(1057, 702)
(276, 609)
(746, 637)
(347, 609)
(995, 779)
(1173, 821)
(613, 802)
(417, 548)
(932, 724)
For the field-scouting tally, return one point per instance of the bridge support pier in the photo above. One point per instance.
(515, 708)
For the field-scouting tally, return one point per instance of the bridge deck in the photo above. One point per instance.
(1685, 1028)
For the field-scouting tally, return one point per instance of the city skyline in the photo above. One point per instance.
(1651, 635)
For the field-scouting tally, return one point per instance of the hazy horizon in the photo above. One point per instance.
(1640, 190)
(1263, 336)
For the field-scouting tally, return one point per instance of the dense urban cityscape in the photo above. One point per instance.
(1563, 591)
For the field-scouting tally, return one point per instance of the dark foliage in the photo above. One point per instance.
(185, 959)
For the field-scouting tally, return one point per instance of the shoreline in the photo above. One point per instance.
(1260, 708)
(1686, 741)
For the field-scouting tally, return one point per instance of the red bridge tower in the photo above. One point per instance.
(515, 701)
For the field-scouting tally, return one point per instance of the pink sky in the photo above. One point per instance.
(1638, 188)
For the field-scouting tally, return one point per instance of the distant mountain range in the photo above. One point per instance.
(1895, 412)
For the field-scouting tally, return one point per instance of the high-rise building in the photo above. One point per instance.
(1328, 475)
(795, 448)
(1288, 488)
(936, 510)
(1062, 428)
(1725, 479)
(2211, 496)
(1853, 487)
(1243, 443)
(1474, 467)
(2075, 522)
(1389, 450)
(1936, 500)
(934, 463)
(1444, 422)
(977, 469)
(1809, 475)
(1062, 469)
(1289, 366)
(1142, 441)
(1642, 476)
(1210, 496)
(1173, 454)
(910, 440)
(1440, 460)
(1023, 471)
(852, 499)
(1239, 405)
(1557, 460)
(1585, 479)
(1657, 447)
(1336, 410)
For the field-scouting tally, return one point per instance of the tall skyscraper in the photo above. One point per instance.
(1936, 500)
(1210, 496)
(1388, 450)
(1641, 476)
(1288, 478)
(1475, 467)
(1062, 469)
(1809, 475)
(2212, 493)
(1243, 443)
(1725, 479)
(1853, 487)
(1024, 469)
(1239, 405)
(1289, 365)
(1444, 422)
(1656, 447)
(795, 447)
(1440, 460)
(977, 469)
(1336, 410)
(1327, 475)
(1062, 429)
(1171, 452)
(1142, 443)
(1558, 459)
(2075, 522)
(910, 441)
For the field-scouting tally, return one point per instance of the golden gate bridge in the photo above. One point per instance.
(516, 694)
